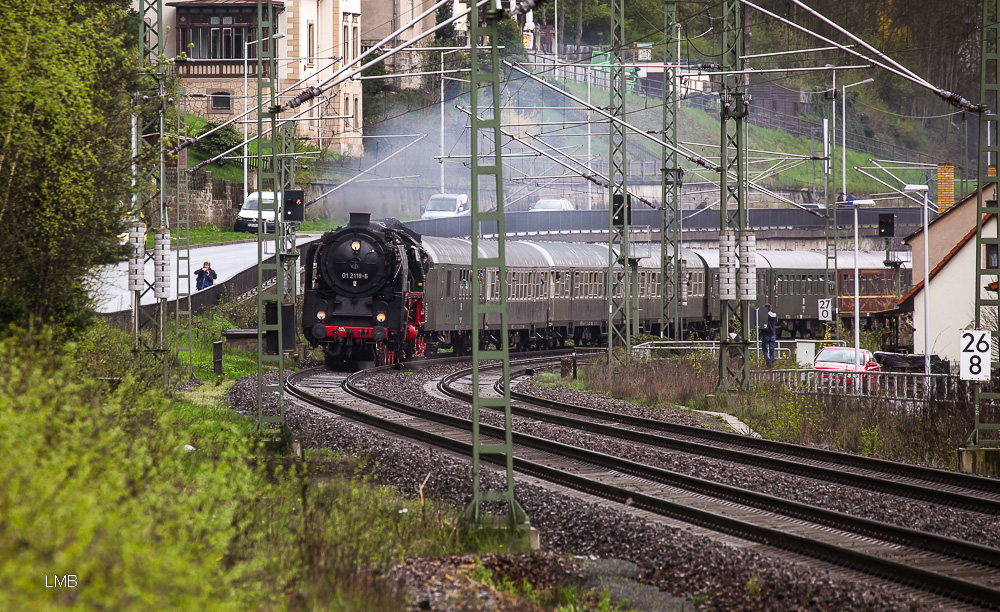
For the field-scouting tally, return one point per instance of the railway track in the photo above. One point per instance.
(964, 491)
(957, 570)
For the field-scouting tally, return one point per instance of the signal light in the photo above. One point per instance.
(295, 209)
(886, 225)
(620, 219)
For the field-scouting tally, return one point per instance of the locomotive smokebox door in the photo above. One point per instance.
(886, 225)
(295, 209)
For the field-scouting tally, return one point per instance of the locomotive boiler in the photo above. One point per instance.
(364, 295)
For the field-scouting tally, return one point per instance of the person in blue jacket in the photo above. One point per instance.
(206, 276)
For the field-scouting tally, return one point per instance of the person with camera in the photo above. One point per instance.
(205, 277)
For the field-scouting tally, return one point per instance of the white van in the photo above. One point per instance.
(246, 219)
(552, 204)
(442, 205)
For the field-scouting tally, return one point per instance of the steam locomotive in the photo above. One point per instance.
(377, 291)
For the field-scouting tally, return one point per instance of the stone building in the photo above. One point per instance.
(312, 39)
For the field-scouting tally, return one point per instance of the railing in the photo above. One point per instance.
(900, 386)
(663, 348)
(218, 68)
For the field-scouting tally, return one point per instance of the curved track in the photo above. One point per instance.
(954, 569)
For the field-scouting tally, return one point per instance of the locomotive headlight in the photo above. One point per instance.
(356, 246)
(321, 308)
(380, 317)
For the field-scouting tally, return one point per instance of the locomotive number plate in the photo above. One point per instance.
(354, 275)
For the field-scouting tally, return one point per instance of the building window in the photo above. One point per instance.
(311, 42)
(222, 101)
(345, 44)
(357, 112)
(218, 33)
(357, 42)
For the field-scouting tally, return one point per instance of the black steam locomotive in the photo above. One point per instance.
(376, 291)
(364, 295)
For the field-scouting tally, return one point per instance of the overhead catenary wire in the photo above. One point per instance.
(889, 64)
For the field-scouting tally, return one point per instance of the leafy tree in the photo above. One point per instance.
(446, 35)
(65, 70)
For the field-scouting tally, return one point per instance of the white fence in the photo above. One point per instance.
(904, 386)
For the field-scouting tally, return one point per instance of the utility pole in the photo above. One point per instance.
(981, 452)
(184, 339)
(737, 249)
(671, 259)
(270, 313)
(149, 124)
(489, 308)
(619, 287)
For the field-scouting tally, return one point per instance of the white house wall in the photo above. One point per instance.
(951, 302)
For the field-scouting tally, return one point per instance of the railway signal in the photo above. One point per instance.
(886, 225)
(295, 205)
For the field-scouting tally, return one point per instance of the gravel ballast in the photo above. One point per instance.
(720, 576)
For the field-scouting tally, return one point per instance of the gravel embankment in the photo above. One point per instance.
(674, 560)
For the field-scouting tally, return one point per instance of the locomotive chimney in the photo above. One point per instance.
(360, 219)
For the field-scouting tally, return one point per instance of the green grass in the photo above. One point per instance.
(169, 502)
(871, 425)
(232, 169)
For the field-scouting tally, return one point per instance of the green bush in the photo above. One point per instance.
(98, 484)
(218, 142)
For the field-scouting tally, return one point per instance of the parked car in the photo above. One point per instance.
(842, 359)
(246, 219)
(442, 205)
(552, 204)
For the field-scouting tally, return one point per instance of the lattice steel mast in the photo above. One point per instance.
(671, 261)
(148, 183)
(184, 340)
(986, 426)
(618, 285)
(488, 310)
(733, 305)
(269, 296)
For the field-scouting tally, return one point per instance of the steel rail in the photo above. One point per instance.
(947, 586)
(902, 470)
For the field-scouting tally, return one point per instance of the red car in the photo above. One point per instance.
(841, 359)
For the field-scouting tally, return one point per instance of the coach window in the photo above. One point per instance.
(697, 283)
(563, 283)
(992, 256)
(447, 284)
(464, 290)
